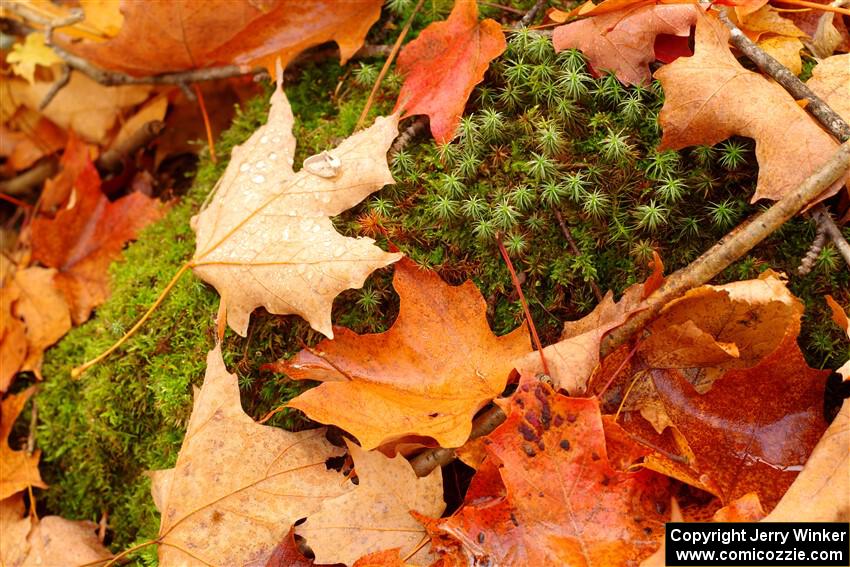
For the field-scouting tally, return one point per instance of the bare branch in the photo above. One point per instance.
(825, 222)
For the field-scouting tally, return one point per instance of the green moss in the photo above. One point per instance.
(540, 137)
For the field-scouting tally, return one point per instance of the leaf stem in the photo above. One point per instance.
(386, 67)
(522, 301)
(78, 371)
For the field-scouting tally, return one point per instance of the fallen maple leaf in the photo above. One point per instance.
(758, 451)
(443, 65)
(829, 81)
(622, 39)
(18, 470)
(710, 97)
(565, 504)
(266, 238)
(375, 515)
(83, 105)
(33, 542)
(13, 337)
(43, 310)
(25, 147)
(192, 34)
(237, 486)
(426, 376)
(81, 242)
(821, 492)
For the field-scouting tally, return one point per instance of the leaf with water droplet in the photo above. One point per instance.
(266, 237)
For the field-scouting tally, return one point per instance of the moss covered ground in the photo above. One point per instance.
(541, 139)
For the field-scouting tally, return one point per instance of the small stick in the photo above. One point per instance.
(531, 14)
(56, 87)
(576, 251)
(386, 67)
(207, 126)
(430, 459)
(110, 160)
(524, 304)
(825, 222)
(34, 176)
(816, 6)
(808, 260)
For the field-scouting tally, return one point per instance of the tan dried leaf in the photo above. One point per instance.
(18, 470)
(266, 238)
(375, 515)
(83, 105)
(821, 492)
(30, 542)
(237, 486)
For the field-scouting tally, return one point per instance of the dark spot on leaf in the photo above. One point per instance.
(480, 537)
(606, 481)
(540, 494)
(595, 456)
(527, 433)
(435, 414)
(540, 445)
(524, 387)
(528, 449)
(564, 444)
(514, 520)
(571, 417)
(531, 418)
(558, 420)
(217, 517)
(647, 531)
(519, 402)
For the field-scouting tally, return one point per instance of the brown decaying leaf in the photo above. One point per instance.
(13, 337)
(776, 35)
(81, 241)
(715, 328)
(757, 451)
(622, 41)
(43, 310)
(288, 554)
(565, 504)
(386, 558)
(426, 376)
(573, 359)
(829, 81)
(710, 97)
(821, 492)
(266, 238)
(83, 105)
(18, 470)
(57, 190)
(237, 486)
(180, 35)
(38, 137)
(33, 542)
(443, 65)
(375, 515)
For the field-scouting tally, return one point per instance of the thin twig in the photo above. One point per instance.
(577, 252)
(808, 260)
(531, 14)
(110, 160)
(390, 58)
(824, 220)
(483, 424)
(57, 86)
(412, 131)
(32, 177)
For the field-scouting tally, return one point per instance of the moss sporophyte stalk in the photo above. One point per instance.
(541, 138)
